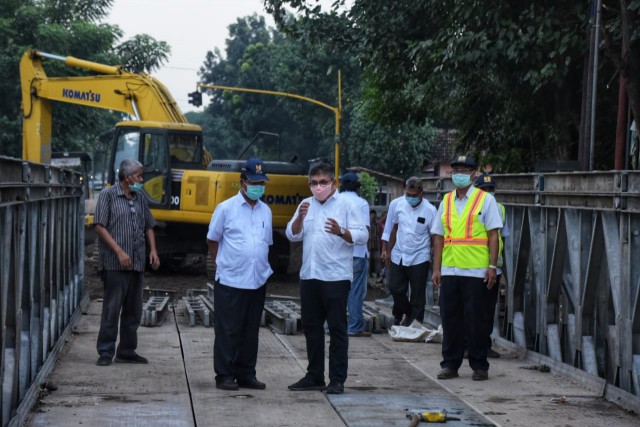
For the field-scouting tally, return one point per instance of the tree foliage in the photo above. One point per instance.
(368, 187)
(507, 75)
(257, 57)
(66, 28)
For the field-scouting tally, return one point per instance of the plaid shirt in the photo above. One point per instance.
(127, 221)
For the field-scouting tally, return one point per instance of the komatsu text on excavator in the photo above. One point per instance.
(181, 181)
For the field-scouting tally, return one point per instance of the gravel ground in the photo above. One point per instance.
(184, 280)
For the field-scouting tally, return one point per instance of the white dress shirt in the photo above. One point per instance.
(326, 256)
(391, 218)
(359, 251)
(489, 216)
(243, 235)
(413, 239)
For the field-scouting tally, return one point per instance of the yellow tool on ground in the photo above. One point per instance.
(422, 415)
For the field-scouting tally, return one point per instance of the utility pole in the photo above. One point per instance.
(589, 100)
(594, 86)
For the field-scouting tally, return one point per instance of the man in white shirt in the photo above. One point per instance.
(349, 184)
(388, 240)
(414, 217)
(239, 237)
(328, 226)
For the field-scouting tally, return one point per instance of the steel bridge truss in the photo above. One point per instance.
(41, 275)
(573, 269)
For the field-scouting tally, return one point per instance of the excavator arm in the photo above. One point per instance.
(139, 95)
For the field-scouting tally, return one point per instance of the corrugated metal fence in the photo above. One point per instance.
(41, 274)
(573, 270)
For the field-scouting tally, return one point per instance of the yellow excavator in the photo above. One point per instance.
(182, 182)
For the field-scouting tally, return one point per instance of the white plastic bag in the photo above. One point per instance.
(416, 332)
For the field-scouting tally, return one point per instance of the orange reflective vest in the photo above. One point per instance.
(466, 242)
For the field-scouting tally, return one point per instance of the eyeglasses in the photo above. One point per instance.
(322, 183)
(248, 182)
(133, 210)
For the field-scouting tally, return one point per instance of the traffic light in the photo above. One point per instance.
(195, 98)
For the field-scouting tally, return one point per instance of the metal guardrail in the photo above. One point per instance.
(573, 270)
(41, 275)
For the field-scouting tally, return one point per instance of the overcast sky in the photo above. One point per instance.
(191, 27)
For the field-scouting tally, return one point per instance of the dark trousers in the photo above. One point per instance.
(325, 301)
(401, 277)
(122, 303)
(463, 310)
(236, 317)
(491, 309)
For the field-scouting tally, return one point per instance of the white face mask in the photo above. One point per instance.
(461, 180)
(321, 193)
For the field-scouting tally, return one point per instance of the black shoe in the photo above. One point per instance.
(228, 384)
(306, 384)
(104, 361)
(492, 354)
(480, 375)
(135, 358)
(335, 387)
(252, 383)
(447, 374)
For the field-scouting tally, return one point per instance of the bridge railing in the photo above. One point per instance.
(41, 275)
(572, 265)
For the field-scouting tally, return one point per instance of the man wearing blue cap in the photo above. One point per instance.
(464, 268)
(349, 185)
(239, 237)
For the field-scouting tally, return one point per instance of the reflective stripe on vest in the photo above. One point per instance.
(466, 242)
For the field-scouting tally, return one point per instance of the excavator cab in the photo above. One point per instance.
(163, 149)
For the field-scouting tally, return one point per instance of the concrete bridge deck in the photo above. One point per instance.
(177, 387)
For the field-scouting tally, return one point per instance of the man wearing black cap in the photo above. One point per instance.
(464, 268)
(349, 185)
(486, 183)
(239, 237)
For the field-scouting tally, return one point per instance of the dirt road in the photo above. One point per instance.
(191, 278)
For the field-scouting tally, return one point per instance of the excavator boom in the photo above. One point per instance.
(139, 95)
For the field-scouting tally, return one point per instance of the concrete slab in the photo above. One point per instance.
(515, 396)
(385, 377)
(114, 410)
(389, 409)
(153, 394)
(120, 394)
(274, 406)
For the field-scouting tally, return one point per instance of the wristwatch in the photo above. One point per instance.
(493, 267)
(342, 231)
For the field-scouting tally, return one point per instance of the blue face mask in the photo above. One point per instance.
(413, 201)
(137, 187)
(461, 180)
(254, 192)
